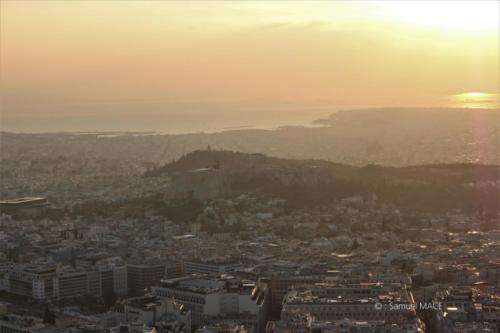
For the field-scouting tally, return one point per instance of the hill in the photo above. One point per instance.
(424, 188)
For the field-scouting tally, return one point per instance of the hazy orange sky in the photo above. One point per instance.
(86, 57)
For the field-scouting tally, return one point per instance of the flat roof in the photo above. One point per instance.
(22, 200)
(25, 202)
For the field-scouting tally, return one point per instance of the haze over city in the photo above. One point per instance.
(249, 166)
(83, 65)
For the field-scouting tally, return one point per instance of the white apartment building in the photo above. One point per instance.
(209, 298)
(44, 282)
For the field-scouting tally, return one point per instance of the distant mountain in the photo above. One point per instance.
(409, 136)
(390, 137)
(426, 188)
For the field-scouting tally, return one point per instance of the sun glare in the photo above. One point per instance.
(474, 94)
(475, 100)
(467, 15)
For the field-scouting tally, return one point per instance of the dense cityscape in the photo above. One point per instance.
(257, 166)
(219, 241)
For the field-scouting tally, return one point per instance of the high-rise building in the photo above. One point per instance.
(217, 298)
(35, 282)
(72, 284)
(143, 276)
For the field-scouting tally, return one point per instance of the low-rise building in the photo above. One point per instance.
(215, 298)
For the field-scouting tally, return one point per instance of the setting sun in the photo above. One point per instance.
(475, 99)
(474, 94)
(79, 58)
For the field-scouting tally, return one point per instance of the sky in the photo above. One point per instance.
(84, 58)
